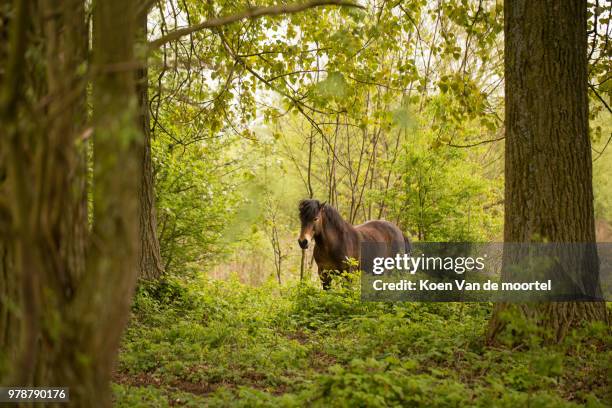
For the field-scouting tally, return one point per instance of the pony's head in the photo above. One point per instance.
(310, 217)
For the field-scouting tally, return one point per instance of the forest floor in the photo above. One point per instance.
(214, 343)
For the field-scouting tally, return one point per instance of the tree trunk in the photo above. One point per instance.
(548, 172)
(150, 262)
(118, 143)
(9, 293)
(63, 185)
(9, 287)
(13, 193)
(74, 300)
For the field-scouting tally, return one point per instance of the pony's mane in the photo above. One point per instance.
(333, 216)
(310, 208)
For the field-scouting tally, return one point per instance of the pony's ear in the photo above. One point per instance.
(321, 205)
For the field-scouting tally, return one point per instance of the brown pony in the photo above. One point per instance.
(336, 240)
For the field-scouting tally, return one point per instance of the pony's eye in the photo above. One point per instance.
(316, 218)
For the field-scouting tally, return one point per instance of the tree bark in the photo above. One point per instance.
(118, 143)
(548, 171)
(8, 285)
(11, 102)
(73, 300)
(150, 262)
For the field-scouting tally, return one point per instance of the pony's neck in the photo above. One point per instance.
(333, 223)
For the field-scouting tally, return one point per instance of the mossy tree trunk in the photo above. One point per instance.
(548, 171)
(118, 143)
(75, 285)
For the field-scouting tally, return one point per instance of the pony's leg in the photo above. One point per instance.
(325, 277)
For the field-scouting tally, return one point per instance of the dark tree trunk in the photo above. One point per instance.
(11, 168)
(9, 293)
(8, 285)
(548, 172)
(150, 263)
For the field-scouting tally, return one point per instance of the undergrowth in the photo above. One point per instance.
(219, 344)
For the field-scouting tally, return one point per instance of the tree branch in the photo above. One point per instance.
(477, 143)
(603, 101)
(251, 13)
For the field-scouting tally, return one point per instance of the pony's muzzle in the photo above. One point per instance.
(303, 243)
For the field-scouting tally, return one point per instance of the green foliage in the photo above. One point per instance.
(367, 109)
(441, 195)
(334, 86)
(219, 344)
(193, 201)
(602, 168)
(324, 103)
